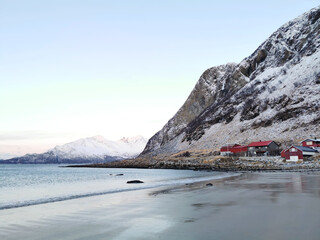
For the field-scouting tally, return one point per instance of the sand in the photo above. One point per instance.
(261, 205)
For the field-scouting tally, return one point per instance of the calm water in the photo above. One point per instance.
(23, 185)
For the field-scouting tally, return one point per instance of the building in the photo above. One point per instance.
(233, 149)
(298, 153)
(226, 150)
(313, 143)
(263, 148)
(240, 149)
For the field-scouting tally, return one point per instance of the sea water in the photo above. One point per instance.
(30, 184)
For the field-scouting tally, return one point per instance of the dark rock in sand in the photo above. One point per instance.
(120, 174)
(134, 181)
(209, 184)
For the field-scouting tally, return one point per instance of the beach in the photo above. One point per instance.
(258, 205)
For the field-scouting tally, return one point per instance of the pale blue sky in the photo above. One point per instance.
(71, 69)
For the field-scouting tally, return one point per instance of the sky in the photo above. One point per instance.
(71, 69)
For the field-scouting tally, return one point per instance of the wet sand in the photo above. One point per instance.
(275, 205)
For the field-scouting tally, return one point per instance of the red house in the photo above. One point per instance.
(314, 143)
(226, 149)
(263, 148)
(232, 149)
(296, 153)
(239, 149)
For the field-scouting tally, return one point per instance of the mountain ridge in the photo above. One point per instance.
(87, 150)
(270, 94)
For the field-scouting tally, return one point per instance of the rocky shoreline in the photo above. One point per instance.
(205, 161)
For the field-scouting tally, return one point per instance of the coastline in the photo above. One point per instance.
(46, 184)
(256, 205)
(214, 163)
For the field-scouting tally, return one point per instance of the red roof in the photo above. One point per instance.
(259, 144)
(240, 147)
(235, 148)
(228, 147)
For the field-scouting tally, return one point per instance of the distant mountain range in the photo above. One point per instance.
(274, 94)
(87, 150)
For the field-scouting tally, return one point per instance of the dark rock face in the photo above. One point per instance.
(204, 94)
(215, 83)
(277, 85)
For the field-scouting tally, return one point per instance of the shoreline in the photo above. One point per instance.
(217, 163)
(195, 184)
(104, 182)
(193, 211)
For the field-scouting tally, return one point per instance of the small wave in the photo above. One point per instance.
(64, 198)
(77, 196)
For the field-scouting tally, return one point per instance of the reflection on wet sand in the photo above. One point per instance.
(277, 182)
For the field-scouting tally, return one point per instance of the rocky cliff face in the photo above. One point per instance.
(214, 84)
(272, 94)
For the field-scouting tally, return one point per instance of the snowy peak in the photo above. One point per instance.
(293, 40)
(98, 138)
(99, 147)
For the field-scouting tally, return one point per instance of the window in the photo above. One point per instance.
(293, 150)
(309, 143)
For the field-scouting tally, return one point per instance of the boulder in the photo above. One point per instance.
(135, 181)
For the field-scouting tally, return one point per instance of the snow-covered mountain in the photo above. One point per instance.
(99, 147)
(88, 150)
(272, 94)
